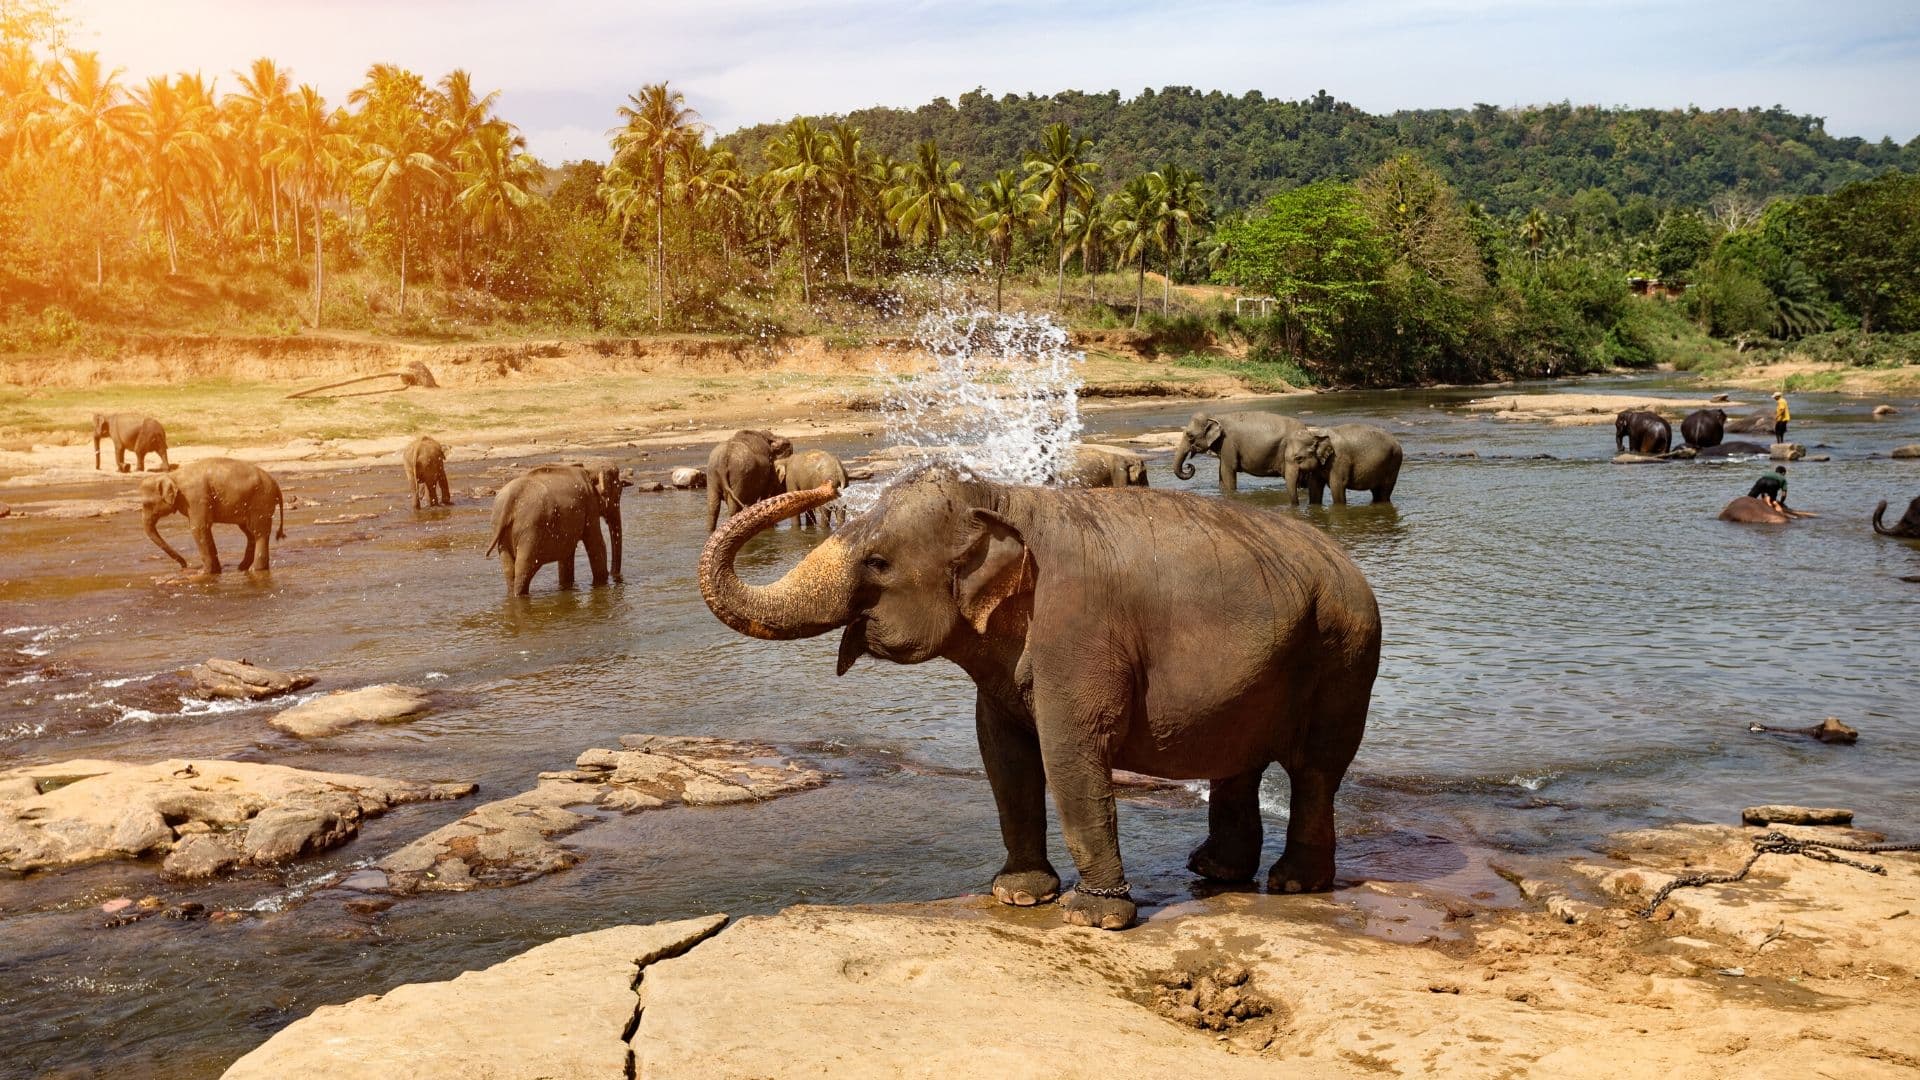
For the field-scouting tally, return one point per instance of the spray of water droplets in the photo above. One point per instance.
(1001, 401)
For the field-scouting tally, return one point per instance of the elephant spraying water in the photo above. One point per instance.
(1259, 644)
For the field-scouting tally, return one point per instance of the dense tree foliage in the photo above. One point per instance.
(1250, 146)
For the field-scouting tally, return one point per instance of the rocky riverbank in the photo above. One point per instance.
(1804, 968)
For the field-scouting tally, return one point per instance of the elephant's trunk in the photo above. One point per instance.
(1878, 512)
(813, 598)
(1181, 467)
(151, 521)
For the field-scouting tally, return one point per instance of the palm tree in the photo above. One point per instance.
(170, 153)
(1061, 174)
(929, 201)
(24, 101)
(657, 123)
(495, 180)
(1187, 198)
(1533, 231)
(707, 183)
(314, 147)
(798, 165)
(1004, 212)
(847, 180)
(95, 127)
(266, 92)
(620, 192)
(401, 171)
(1142, 218)
(1087, 233)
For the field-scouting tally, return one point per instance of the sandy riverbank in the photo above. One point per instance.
(1491, 966)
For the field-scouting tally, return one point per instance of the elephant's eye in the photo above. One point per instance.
(875, 563)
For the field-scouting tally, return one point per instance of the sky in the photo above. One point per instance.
(563, 66)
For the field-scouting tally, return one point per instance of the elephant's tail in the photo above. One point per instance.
(281, 500)
(1878, 512)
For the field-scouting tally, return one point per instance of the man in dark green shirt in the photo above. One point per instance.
(1771, 488)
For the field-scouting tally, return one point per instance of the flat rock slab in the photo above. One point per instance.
(561, 1010)
(240, 679)
(205, 816)
(1910, 451)
(331, 714)
(1796, 815)
(511, 840)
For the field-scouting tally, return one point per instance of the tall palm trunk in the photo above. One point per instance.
(660, 242)
(800, 230)
(1166, 291)
(846, 249)
(274, 177)
(319, 264)
(1060, 231)
(1140, 288)
(403, 272)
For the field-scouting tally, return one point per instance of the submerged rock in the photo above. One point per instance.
(333, 713)
(1786, 451)
(1885, 410)
(511, 840)
(243, 680)
(206, 816)
(1911, 450)
(562, 1009)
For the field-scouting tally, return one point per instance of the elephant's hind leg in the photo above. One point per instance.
(1314, 769)
(1232, 848)
(524, 567)
(1019, 782)
(246, 557)
(565, 566)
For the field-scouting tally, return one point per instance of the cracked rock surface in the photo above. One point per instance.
(569, 1005)
(205, 816)
(240, 679)
(511, 840)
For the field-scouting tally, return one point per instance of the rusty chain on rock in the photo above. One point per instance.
(1778, 843)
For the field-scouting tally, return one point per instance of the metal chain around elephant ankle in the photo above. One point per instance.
(1117, 892)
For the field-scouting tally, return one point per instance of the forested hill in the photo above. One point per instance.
(1250, 146)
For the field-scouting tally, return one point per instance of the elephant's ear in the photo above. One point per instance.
(1215, 434)
(169, 491)
(1323, 448)
(993, 567)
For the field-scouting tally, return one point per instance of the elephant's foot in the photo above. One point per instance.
(1025, 888)
(1301, 871)
(1105, 912)
(1216, 860)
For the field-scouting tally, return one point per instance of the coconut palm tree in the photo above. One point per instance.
(495, 181)
(1087, 234)
(1003, 212)
(171, 154)
(1187, 198)
(25, 105)
(656, 123)
(266, 92)
(1533, 232)
(313, 147)
(1061, 175)
(707, 183)
(1142, 219)
(620, 192)
(797, 168)
(928, 201)
(848, 178)
(95, 128)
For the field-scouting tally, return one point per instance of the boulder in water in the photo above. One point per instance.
(511, 840)
(87, 811)
(241, 679)
(1786, 451)
(688, 478)
(1795, 815)
(1911, 450)
(331, 714)
(1885, 410)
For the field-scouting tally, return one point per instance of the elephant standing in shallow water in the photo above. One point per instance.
(1642, 432)
(1704, 427)
(216, 491)
(740, 471)
(1907, 528)
(1245, 442)
(425, 461)
(541, 516)
(808, 470)
(1351, 457)
(1258, 643)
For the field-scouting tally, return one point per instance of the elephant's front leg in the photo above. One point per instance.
(1073, 733)
(565, 565)
(596, 552)
(1234, 830)
(1011, 751)
(1338, 482)
(203, 539)
(1229, 472)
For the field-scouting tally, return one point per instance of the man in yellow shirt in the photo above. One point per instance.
(1780, 417)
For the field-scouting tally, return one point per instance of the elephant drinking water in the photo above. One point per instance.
(1259, 643)
(1245, 442)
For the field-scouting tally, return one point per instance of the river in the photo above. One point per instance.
(1572, 648)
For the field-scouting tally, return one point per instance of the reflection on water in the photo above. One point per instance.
(1571, 647)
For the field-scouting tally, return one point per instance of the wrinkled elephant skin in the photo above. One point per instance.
(1079, 635)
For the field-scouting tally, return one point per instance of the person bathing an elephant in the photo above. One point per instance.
(1771, 488)
(1780, 417)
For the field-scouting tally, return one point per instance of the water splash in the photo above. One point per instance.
(1001, 401)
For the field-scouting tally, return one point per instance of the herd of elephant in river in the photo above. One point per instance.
(1083, 644)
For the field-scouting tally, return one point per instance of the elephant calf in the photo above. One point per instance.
(426, 464)
(1908, 527)
(1351, 457)
(217, 491)
(130, 431)
(809, 470)
(541, 516)
(1105, 466)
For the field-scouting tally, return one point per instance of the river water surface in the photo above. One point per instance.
(1572, 648)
